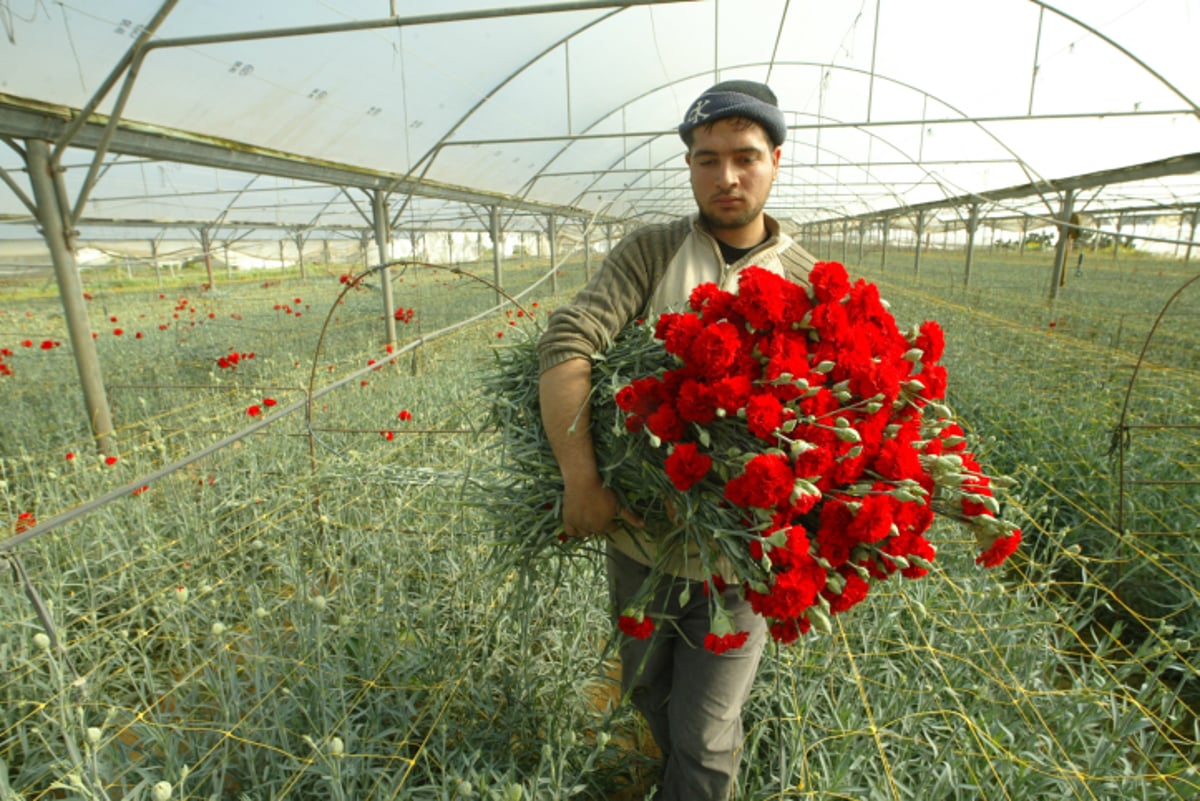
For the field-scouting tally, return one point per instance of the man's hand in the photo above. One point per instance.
(590, 508)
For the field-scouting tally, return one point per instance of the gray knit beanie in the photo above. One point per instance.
(749, 99)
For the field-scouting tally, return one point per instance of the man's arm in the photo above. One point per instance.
(589, 507)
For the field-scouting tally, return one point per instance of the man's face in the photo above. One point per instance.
(732, 169)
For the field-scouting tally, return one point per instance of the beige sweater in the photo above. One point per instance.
(650, 271)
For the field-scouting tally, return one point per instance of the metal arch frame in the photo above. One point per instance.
(1120, 435)
(1120, 48)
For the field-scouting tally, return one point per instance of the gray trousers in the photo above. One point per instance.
(691, 698)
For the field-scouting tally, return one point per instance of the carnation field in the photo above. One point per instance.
(316, 609)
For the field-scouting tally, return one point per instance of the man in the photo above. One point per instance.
(692, 699)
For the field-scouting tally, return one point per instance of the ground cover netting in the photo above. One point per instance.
(300, 617)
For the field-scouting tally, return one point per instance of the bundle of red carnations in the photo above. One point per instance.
(854, 454)
(791, 438)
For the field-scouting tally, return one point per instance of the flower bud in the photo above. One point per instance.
(42, 641)
(93, 735)
(336, 746)
(913, 355)
(161, 791)
(181, 594)
(218, 628)
(848, 435)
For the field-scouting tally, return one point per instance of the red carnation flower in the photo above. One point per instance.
(1000, 549)
(686, 465)
(764, 416)
(640, 627)
(725, 642)
(829, 281)
(766, 482)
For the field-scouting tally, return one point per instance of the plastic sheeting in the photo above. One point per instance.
(890, 103)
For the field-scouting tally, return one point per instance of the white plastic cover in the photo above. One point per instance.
(891, 103)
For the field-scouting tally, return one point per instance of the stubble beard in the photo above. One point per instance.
(741, 220)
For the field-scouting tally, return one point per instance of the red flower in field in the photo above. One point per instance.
(405, 415)
(725, 642)
(141, 489)
(254, 410)
(118, 332)
(639, 627)
(70, 456)
(26, 343)
(686, 465)
(1000, 549)
(388, 435)
(87, 295)
(47, 344)
(110, 460)
(344, 278)
(24, 522)
(138, 335)
(269, 402)
(112, 319)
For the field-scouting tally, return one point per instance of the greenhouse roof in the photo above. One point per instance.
(277, 115)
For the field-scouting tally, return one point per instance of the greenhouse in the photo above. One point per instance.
(279, 519)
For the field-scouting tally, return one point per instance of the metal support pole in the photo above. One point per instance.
(862, 235)
(1187, 254)
(553, 254)
(845, 238)
(887, 225)
(50, 216)
(206, 246)
(1117, 236)
(587, 254)
(325, 253)
(920, 242)
(154, 261)
(1024, 234)
(298, 238)
(497, 272)
(972, 227)
(225, 256)
(1060, 249)
(383, 239)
